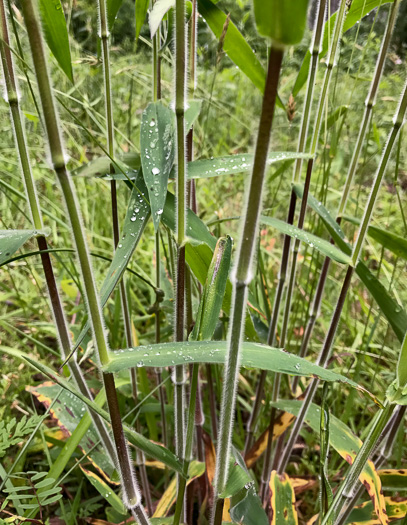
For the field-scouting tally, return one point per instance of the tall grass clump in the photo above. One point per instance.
(265, 141)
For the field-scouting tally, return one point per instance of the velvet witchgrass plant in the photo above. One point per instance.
(168, 129)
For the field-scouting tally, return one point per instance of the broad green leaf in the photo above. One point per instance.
(388, 239)
(396, 509)
(128, 163)
(56, 33)
(246, 508)
(113, 7)
(393, 479)
(231, 164)
(335, 115)
(358, 10)
(283, 22)
(346, 444)
(192, 113)
(196, 469)
(138, 213)
(141, 13)
(254, 355)
(393, 312)
(235, 45)
(214, 289)
(68, 411)
(104, 490)
(239, 477)
(282, 500)
(323, 246)
(148, 447)
(160, 8)
(13, 240)
(157, 147)
(401, 377)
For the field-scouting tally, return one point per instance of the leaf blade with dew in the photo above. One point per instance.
(358, 10)
(104, 490)
(214, 289)
(148, 447)
(113, 7)
(56, 34)
(235, 46)
(392, 311)
(138, 213)
(342, 439)
(141, 9)
(157, 141)
(282, 500)
(13, 240)
(231, 164)
(254, 355)
(323, 246)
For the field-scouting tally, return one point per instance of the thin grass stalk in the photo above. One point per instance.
(241, 278)
(158, 295)
(315, 50)
(338, 29)
(131, 494)
(369, 105)
(104, 36)
(180, 100)
(356, 252)
(189, 440)
(11, 90)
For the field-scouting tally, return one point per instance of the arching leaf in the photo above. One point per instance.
(56, 34)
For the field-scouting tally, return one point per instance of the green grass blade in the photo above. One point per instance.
(254, 355)
(113, 7)
(388, 239)
(13, 240)
(393, 312)
(157, 146)
(214, 291)
(275, 20)
(236, 47)
(56, 34)
(323, 246)
(141, 13)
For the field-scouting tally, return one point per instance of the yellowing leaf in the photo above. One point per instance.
(281, 424)
(282, 500)
(167, 500)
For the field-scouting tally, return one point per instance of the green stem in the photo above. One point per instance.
(180, 100)
(315, 50)
(129, 484)
(189, 440)
(242, 276)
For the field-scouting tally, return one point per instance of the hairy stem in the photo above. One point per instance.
(242, 276)
(129, 484)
